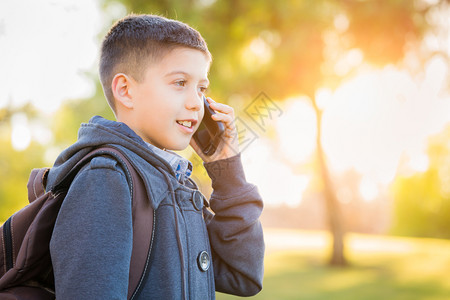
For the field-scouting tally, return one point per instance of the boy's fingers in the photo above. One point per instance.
(221, 107)
(222, 117)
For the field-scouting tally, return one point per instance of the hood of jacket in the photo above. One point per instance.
(102, 132)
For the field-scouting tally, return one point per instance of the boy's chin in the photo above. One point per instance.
(178, 146)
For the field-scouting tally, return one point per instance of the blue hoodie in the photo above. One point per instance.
(92, 240)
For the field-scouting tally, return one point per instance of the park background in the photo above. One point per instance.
(343, 112)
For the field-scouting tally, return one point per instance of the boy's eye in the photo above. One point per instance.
(180, 82)
(203, 89)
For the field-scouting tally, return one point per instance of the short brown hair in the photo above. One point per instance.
(136, 40)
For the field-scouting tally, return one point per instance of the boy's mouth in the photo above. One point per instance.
(187, 123)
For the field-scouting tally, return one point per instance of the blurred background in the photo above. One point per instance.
(343, 113)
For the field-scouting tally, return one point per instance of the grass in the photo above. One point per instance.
(380, 267)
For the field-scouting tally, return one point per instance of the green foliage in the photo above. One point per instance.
(66, 122)
(422, 201)
(14, 172)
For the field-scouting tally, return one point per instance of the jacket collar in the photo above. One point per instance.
(181, 166)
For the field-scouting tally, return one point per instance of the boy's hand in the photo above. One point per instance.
(229, 144)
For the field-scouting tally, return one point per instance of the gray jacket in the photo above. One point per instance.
(92, 239)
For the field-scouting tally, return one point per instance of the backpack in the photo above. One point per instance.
(25, 264)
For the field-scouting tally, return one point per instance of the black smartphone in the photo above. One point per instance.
(209, 133)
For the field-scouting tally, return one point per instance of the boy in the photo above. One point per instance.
(154, 73)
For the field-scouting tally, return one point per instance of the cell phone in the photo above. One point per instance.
(209, 133)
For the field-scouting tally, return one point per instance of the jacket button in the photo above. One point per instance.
(197, 200)
(203, 261)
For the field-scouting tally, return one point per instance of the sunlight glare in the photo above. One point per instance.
(419, 163)
(368, 189)
(297, 130)
(341, 22)
(256, 54)
(378, 115)
(45, 48)
(20, 134)
(348, 61)
(323, 97)
(276, 181)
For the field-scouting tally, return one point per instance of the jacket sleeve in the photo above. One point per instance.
(92, 239)
(235, 232)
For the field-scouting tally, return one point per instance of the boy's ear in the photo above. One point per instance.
(121, 88)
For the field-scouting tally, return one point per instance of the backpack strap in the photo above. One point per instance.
(142, 214)
(36, 183)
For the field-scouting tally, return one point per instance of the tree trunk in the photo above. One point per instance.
(333, 210)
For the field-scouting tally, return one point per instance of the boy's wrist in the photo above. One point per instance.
(227, 175)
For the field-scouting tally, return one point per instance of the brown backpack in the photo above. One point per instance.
(25, 265)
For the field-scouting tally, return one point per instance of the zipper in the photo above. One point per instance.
(9, 262)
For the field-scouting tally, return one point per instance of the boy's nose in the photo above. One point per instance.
(194, 102)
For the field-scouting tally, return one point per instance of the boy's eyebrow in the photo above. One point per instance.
(184, 73)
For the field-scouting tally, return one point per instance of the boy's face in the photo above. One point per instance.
(168, 105)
